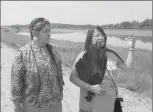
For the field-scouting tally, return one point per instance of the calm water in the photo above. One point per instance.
(80, 37)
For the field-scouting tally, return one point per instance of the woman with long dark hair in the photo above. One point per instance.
(98, 91)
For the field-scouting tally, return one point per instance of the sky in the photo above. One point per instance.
(75, 12)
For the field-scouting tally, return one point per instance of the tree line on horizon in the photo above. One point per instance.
(146, 24)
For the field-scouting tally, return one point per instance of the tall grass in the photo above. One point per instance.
(138, 79)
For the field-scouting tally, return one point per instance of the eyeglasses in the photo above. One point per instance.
(98, 37)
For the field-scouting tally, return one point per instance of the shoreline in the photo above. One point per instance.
(112, 40)
(133, 102)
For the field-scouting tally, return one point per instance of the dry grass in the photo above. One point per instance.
(139, 79)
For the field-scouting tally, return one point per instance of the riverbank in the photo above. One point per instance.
(139, 79)
(133, 102)
(112, 40)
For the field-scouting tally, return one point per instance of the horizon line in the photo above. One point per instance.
(82, 24)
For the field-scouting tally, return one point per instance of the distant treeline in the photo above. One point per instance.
(146, 24)
(57, 26)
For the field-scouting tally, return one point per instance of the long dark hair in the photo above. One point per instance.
(96, 56)
(92, 66)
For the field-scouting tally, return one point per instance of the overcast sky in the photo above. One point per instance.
(75, 12)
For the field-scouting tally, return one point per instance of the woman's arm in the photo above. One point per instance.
(17, 71)
(74, 76)
(127, 64)
(97, 89)
(129, 59)
(75, 80)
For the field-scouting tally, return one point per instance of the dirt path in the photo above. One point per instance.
(132, 101)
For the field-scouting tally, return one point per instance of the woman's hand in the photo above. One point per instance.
(17, 106)
(18, 110)
(131, 41)
(98, 89)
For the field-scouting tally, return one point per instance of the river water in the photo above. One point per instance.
(81, 36)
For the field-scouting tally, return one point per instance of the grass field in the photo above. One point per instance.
(138, 80)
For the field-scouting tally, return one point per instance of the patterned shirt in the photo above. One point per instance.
(49, 93)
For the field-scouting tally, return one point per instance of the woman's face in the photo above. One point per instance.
(44, 34)
(98, 38)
